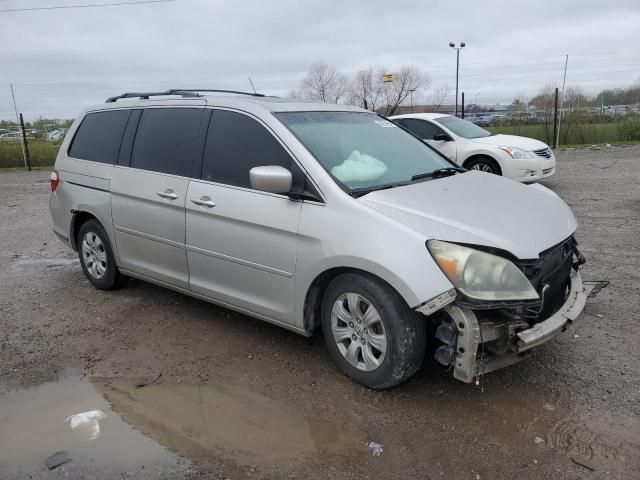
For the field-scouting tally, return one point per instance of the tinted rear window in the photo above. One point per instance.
(99, 136)
(420, 128)
(235, 144)
(166, 140)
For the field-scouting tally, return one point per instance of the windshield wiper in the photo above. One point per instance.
(359, 192)
(439, 172)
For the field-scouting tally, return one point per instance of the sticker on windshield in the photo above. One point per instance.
(385, 123)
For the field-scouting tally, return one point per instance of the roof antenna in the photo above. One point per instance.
(254, 88)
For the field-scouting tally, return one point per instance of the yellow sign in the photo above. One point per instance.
(387, 77)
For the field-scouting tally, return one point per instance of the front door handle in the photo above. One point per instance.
(204, 202)
(168, 194)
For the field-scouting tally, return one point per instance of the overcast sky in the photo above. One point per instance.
(61, 60)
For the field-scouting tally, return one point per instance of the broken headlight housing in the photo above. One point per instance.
(480, 275)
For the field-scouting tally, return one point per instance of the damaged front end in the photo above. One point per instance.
(482, 335)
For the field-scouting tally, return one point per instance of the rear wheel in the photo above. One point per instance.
(371, 333)
(484, 164)
(96, 256)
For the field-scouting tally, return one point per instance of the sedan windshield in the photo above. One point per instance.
(461, 127)
(363, 151)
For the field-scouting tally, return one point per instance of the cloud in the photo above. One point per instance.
(62, 60)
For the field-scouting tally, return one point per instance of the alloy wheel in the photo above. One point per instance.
(358, 331)
(94, 255)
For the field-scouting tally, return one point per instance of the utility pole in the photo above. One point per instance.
(566, 61)
(453, 45)
(22, 143)
(462, 104)
(27, 159)
(556, 130)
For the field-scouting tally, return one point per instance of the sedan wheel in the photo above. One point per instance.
(483, 167)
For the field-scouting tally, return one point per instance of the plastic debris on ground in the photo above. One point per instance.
(539, 440)
(57, 459)
(376, 448)
(87, 423)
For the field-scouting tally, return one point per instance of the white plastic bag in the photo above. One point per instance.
(87, 423)
(359, 167)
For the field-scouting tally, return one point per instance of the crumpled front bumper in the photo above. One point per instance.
(473, 332)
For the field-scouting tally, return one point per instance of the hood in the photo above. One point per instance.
(512, 141)
(481, 209)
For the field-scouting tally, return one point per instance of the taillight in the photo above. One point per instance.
(54, 178)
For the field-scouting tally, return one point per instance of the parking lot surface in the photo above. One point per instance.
(195, 391)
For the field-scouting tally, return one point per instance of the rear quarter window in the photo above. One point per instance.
(99, 135)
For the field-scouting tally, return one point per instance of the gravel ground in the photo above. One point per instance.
(228, 396)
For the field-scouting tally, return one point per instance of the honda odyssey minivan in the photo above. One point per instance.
(319, 216)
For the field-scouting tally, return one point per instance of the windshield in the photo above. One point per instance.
(462, 128)
(362, 151)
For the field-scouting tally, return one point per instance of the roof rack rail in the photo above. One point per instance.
(185, 92)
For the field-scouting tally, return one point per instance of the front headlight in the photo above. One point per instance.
(480, 275)
(517, 153)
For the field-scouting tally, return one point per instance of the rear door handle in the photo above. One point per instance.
(203, 202)
(168, 194)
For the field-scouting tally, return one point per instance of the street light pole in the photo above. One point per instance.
(453, 45)
(411, 93)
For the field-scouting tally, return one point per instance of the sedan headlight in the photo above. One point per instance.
(517, 153)
(480, 275)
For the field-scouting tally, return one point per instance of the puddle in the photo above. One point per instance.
(227, 427)
(33, 427)
(228, 421)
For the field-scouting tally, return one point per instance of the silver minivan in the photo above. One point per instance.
(315, 215)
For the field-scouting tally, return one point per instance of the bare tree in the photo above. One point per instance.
(574, 96)
(405, 80)
(324, 83)
(365, 89)
(544, 102)
(438, 97)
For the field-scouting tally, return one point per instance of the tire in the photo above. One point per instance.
(484, 164)
(96, 256)
(357, 349)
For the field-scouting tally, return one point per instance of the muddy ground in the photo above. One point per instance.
(196, 391)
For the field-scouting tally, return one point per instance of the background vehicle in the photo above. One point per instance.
(519, 158)
(308, 215)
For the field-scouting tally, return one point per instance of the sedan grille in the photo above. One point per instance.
(544, 152)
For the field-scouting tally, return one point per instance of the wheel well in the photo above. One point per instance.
(478, 157)
(313, 300)
(79, 218)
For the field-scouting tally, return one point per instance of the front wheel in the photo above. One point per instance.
(371, 333)
(484, 164)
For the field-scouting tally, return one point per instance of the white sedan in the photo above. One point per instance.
(519, 158)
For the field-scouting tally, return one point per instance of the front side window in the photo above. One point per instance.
(166, 140)
(462, 128)
(421, 128)
(99, 135)
(362, 151)
(235, 144)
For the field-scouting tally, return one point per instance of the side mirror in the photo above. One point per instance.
(442, 137)
(271, 178)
